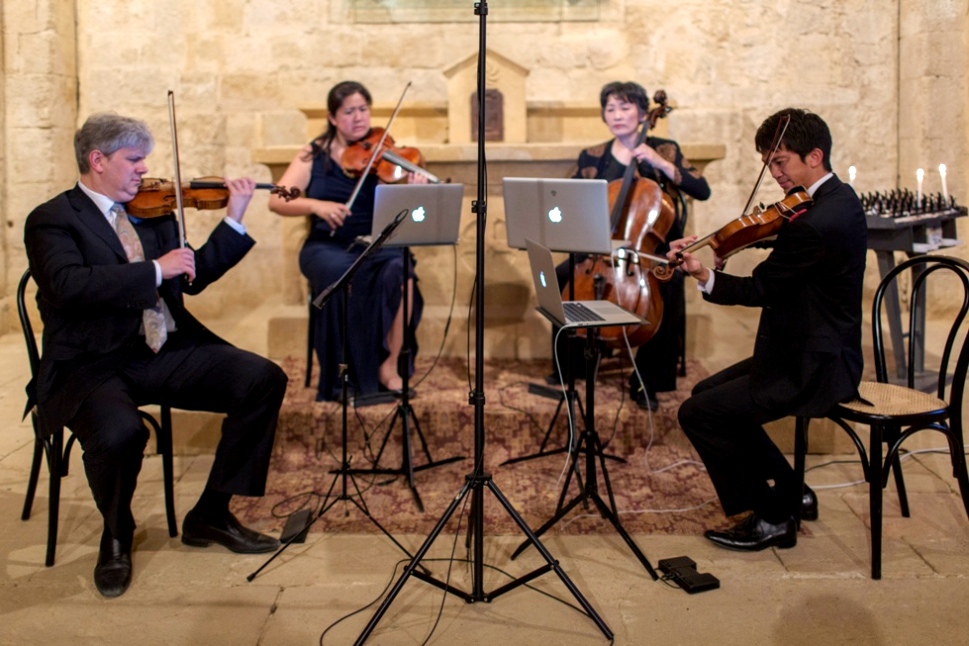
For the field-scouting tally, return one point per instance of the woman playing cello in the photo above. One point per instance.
(377, 331)
(624, 107)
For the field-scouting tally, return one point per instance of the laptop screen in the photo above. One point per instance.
(433, 213)
(570, 215)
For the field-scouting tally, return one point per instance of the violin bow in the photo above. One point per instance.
(178, 175)
(376, 150)
(775, 144)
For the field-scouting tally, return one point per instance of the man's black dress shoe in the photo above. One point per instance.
(643, 398)
(809, 504)
(230, 534)
(112, 574)
(755, 534)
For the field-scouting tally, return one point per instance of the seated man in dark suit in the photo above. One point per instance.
(117, 336)
(807, 354)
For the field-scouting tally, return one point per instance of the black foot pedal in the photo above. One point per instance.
(682, 570)
(296, 525)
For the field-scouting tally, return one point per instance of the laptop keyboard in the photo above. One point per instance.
(578, 313)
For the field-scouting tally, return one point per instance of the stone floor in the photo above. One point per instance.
(818, 593)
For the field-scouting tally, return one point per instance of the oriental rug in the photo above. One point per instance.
(659, 487)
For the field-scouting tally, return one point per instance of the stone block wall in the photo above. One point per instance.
(889, 77)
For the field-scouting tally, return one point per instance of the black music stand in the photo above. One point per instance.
(591, 446)
(569, 397)
(476, 481)
(405, 413)
(344, 474)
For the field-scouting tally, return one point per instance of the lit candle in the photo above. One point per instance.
(945, 190)
(852, 172)
(919, 174)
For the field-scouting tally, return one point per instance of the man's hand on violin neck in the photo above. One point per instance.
(240, 192)
(178, 262)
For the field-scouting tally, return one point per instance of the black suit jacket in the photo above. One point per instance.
(807, 355)
(91, 298)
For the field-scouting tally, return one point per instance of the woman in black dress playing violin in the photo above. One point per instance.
(377, 329)
(624, 108)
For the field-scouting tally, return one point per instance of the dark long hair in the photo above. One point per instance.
(338, 94)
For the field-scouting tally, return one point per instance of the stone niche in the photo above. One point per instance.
(540, 139)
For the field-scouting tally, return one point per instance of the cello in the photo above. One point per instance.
(641, 214)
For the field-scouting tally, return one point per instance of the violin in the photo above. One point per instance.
(760, 224)
(390, 163)
(755, 225)
(157, 197)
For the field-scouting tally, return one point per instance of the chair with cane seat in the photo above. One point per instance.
(893, 412)
(58, 453)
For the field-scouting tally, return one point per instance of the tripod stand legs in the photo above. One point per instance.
(475, 484)
(567, 397)
(593, 450)
(406, 416)
(342, 474)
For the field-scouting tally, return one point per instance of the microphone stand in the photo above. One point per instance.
(477, 480)
(344, 474)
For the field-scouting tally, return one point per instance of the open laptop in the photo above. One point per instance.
(569, 215)
(569, 313)
(433, 213)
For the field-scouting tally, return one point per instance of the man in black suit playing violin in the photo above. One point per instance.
(117, 336)
(807, 354)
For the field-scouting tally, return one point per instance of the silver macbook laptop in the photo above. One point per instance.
(569, 313)
(433, 213)
(569, 215)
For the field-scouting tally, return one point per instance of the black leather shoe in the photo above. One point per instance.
(755, 533)
(643, 398)
(230, 534)
(112, 574)
(809, 504)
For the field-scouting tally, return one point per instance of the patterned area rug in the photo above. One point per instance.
(657, 484)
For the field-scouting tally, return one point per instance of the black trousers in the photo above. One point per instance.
(190, 375)
(725, 426)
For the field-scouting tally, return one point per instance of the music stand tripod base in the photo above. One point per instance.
(590, 445)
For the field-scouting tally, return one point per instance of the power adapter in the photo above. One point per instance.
(682, 570)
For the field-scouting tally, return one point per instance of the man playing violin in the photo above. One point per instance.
(807, 353)
(117, 336)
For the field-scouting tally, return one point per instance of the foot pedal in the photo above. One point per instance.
(296, 527)
(545, 391)
(682, 570)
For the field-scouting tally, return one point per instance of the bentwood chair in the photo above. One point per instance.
(893, 412)
(58, 453)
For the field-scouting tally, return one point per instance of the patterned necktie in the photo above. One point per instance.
(153, 318)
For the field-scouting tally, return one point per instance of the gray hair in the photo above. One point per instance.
(110, 132)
